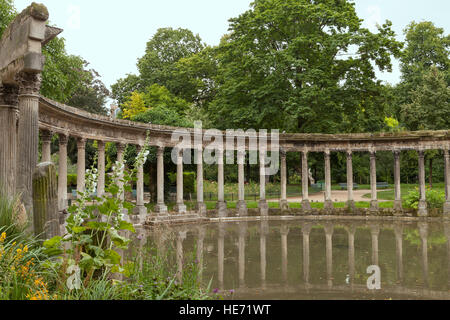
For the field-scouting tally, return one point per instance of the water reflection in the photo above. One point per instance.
(313, 259)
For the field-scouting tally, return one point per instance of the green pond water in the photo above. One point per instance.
(306, 259)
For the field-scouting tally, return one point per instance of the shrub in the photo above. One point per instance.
(435, 199)
(189, 181)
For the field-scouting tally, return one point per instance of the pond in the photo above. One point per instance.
(310, 259)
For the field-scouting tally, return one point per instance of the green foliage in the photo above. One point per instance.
(7, 14)
(10, 211)
(164, 116)
(189, 181)
(435, 199)
(286, 64)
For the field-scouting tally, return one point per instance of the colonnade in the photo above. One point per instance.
(161, 207)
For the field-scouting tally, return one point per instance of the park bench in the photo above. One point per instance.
(344, 186)
(382, 185)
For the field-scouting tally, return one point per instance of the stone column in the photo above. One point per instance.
(264, 231)
(101, 168)
(284, 205)
(241, 205)
(398, 229)
(28, 136)
(328, 205)
(46, 136)
(447, 183)
(284, 252)
(306, 230)
(422, 210)
(62, 172)
(397, 185)
(180, 207)
(221, 204)
(81, 164)
(262, 205)
(373, 181)
(375, 232)
(351, 230)
(241, 247)
(140, 188)
(160, 207)
(201, 206)
(220, 254)
(306, 206)
(9, 117)
(423, 231)
(350, 202)
(120, 154)
(329, 228)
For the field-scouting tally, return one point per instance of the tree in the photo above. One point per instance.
(124, 87)
(163, 51)
(7, 14)
(301, 66)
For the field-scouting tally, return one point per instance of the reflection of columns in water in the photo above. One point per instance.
(398, 229)
(423, 231)
(329, 228)
(200, 240)
(181, 236)
(242, 234)
(306, 230)
(264, 231)
(220, 254)
(351, 230)
(284, 258)
(375, 232)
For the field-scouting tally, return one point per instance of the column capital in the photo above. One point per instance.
(121, 147)
(306, 228)
(29, 83)
(101, 145)
(160, 150)
(46, 135)
(349, 153)
(446, 154)
(327, 153)
(81, 143)
(396, 153)
(373, 153)
(421, 153)
(63, 139)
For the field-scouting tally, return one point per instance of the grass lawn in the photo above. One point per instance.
(405, 189)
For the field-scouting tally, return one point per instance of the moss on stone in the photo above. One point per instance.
(38, 11)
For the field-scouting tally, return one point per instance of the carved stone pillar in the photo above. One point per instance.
(28, 135)
(160, 207)
(397, 185)
(262, 204)
(447, 183)
(180, 207)
(201, 206)
(284, 205)
(101, 168)
(241, 205)
(221, 204)
(306, 206)
(81, 164)
(9, 117)
(120, 154)
(62, 172)
(422, 209)
(46, 137)
(373, 181)
(350, 202)
(328, 205)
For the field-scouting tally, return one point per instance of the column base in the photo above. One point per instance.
(447, 209)
(306, 206)
(263, 208)
(180, 208)
(139, 215)
(222, 209)
(284, 205)
(422, 210)
(161, 209)
(374, 206)
(241, 207)
(200, 207)
(328, 205)
(398, 207)
(350, 206)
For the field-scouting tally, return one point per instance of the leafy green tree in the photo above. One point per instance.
(121, 91)
(302, 66)
(163, 51)
(7, 14)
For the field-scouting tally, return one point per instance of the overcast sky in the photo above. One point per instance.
(112, 34)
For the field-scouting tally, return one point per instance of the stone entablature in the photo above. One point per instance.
(60, 118)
